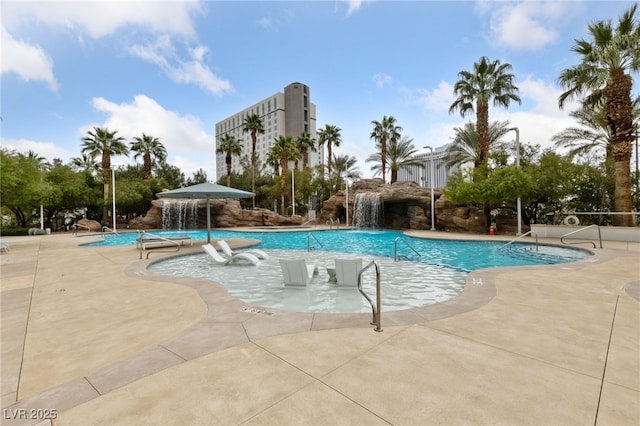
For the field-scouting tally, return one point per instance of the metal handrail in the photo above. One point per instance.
(76, 225)
(106, 228)
(160, 238)
(309, 235)
(395, 248)
(377, 316)
(583, 242)
(522, 236)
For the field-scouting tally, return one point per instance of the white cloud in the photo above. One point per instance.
(48, 150)
(438, 99)
(545, 97)
(189, 146)
(28, 61)
(163, 53)
(526, 25)
(354, 5)
(381, 79)
(102, 18)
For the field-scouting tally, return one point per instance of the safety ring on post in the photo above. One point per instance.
(571, 220)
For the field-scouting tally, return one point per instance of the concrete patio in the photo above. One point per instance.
(89, 337)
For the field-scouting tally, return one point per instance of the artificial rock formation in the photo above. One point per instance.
(225, 213)
(406, 205)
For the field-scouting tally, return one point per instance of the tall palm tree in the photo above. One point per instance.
(104, 143)
(229, 146)
(400, 156)
(332, 137)
(305, 143)
(489, 81)
(151, 150)
(385, 131)
(345, 168)
(285, 148)
(604, 77)
(253, 125)
(273, 160)
(464, 147)
(85, 163)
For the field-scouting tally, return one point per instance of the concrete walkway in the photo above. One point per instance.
(90, 337)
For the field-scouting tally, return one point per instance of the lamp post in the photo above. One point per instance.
(518, 201)
(113, 184)
(293, 191)
(431, 179)
(346, 182)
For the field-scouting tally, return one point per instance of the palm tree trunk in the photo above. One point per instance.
(619, 110)
(253, 167)
(383, 157)
(482, 127)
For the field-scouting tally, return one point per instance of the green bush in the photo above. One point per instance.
(10, 232)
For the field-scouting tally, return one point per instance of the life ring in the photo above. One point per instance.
(571, 220)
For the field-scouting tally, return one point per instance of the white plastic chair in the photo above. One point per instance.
(296, 272)
(347, 271)
(229, 253)
(217, 257)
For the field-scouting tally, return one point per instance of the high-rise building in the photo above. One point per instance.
(283, 114)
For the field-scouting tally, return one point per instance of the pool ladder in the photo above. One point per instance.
(519, 237)
(376, 319)
(395, 248)
(309, 246)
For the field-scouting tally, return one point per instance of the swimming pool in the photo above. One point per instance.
(429, 271)
(463, 255)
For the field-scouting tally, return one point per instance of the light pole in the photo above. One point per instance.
(113, 184)
(518, 201)
(346, 182)
(431, 179)
(293, 191)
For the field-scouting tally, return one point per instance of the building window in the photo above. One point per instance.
(304, 101)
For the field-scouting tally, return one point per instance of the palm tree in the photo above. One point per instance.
(285, 148)
(151, 149)
(592, 133)
(305, 143)
(274, 161)
(400, 156)
(229, 146)
(85, 163)
(36, 159)
(464, 147)
(603, 78)
(331, 136)
(385, 131)
(345, 168)
(253, 125)
(489, 81)
(102, 142)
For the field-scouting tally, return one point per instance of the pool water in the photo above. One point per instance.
(404, 284)
(427, 271)
(458, 254)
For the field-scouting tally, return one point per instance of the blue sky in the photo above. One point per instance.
(173, 69)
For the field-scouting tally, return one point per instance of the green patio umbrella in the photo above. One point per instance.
(206, 191)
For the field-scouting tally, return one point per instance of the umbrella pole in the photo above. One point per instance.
(208, 221)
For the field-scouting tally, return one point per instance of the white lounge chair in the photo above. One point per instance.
(229, 253)
(347, 271)
(296, 272)
(4, 247)
(217, 257)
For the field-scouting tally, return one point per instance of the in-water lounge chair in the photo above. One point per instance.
(347, 271)
(217, 257)
(260, 254)
(296, 272)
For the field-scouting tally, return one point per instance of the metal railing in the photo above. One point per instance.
(75, 227)
(377, 316)
(107, 229)
(157, 237)
(395, 248)
(583, 242)
(521, 236)
(309, 235)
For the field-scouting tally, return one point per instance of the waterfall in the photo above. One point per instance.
(179, 214)
(366, 210)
